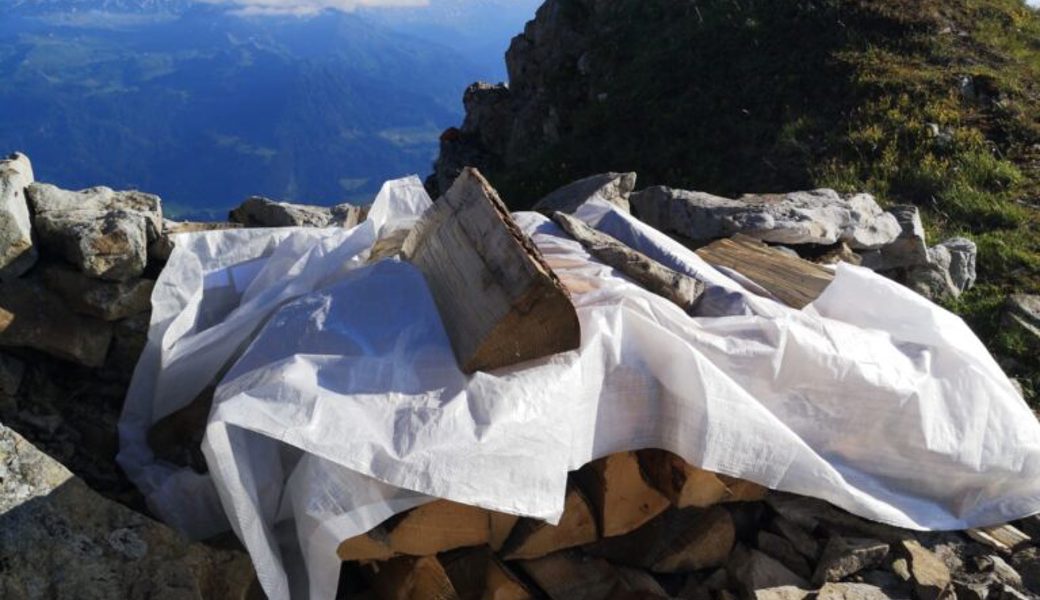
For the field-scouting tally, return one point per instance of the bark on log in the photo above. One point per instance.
(500, 302)
(680, 289)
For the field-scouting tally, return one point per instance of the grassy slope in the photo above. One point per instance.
(734, 96)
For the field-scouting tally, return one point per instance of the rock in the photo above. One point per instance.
(262, 212)
(161, 248)
(931, 577)
(1022, 316)
(12, 371)
(843, 557)
(800, 539)
(1027, 564)
(810, 513)
(33, 317)
(1000, 570)
(851, 591)
(17, 253)
(106, 300)
(786, 592)
(971, 590)
(811, 217)
(963, 253)
(1031, 525)
(754, 570)
(104, 233)
(612, 187)
(61, 540)
(784, 551)
(840, 253)
(128, 340)
(909, 249)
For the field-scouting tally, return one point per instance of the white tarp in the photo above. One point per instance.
(341, 403)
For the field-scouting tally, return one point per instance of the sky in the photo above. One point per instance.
(304, 7)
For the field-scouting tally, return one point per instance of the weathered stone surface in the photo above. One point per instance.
(840, 253)
(128, 341)
(810, 217)
(105, 300)
(786, 592)
(910, 248)
(851, 591)
(33, 317)
(1022, 316)
(930, 576)
(17, 252)
(161, 248)
(104, 233)
(963, 255)
(843, 557)
(612, 187)
(12, 371)
(60, 540)
(263, 212)
(784, 551)
(754, 570)
(802, 541)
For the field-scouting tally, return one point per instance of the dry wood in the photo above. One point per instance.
(436, 527)
(502, 584)
(568, 575)
(638, 581)
(1001, 537)
(500, 302)
(533, 539)
(501, 526)
(707, 544)
(688, 486)
(680, 289)
(790, 280)
(467, 569)
(678, 540)
(411, 578)
(367, 546)
(621, 497)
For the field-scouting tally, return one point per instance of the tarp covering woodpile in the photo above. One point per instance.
(344, 384)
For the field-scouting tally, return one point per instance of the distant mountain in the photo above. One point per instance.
(205, 108)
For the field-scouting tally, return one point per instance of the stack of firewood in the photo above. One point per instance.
(627, 517)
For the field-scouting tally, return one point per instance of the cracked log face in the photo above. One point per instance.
(500, 302)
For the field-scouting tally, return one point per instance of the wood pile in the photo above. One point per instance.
(628, 518)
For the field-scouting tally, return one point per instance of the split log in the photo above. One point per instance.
(680, 289)
(467, 570)
(1005, 538)
(501, 583)
(568, 575)
(500, 302)
(533, 539)
(429, 529)
(688, 486)
(501, 526)
(677, 541)
(621, 497)
(791, 280)
(410, 578)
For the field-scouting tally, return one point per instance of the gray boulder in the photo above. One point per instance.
(17, 253)
(851, 591)
(843, 557)
(949, 272)
(104, 233)
(963, 256)
(61, 540)
(612, 187)
(811, 217)
(12, 371)
(263, 212)
(908, 250)
(161, 248)
(106, 300)
(753, 570)
(34, 317)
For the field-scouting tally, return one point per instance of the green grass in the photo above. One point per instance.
(735, 96)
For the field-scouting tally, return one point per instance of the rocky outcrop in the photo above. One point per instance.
(614, 188)
(814, 217)
(1022, 317)
(262, 212)
(103, 233)
(17, 253)
(59, 539)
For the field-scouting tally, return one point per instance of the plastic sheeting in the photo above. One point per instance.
(340, 402)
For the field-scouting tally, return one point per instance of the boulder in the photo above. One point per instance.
(106, 300)
(161, 248)
(104, 233)
(1027, 564)
(1022, 316)
(811, 217)
(909, 249)
(34, 317)
(754, 570)
(851, 591)
(17, 253)
(263, 212)
(843, 557)
(612, 187)
(784, 551)
(129, 337)
(930, 576)
(12, 371)
(61, 540)
(785, 592)
(963, 255)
